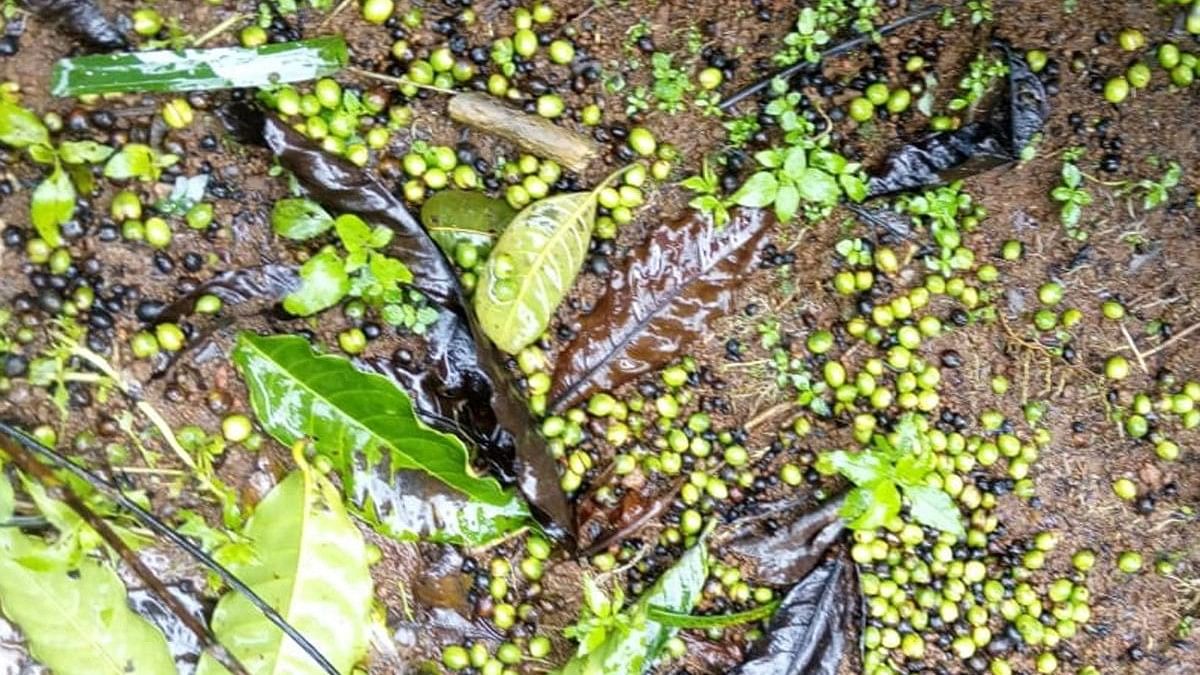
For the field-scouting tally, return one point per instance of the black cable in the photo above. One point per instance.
(849, 45)
(152, 522)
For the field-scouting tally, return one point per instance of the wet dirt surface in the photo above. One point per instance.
(1151, 261)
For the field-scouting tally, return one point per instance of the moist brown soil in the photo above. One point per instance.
(1149, 260)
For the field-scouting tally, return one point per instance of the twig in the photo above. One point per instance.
(165, 531)
(218, 29)
(32, 467)
(1174, 338)
(336, 10)
(769, 413)
(849, 45)
(1133, 347)
(399, 81)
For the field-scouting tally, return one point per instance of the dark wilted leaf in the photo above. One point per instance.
(667, 295)
(780, 548)
(601, 525)
(808, 633)
(975, 147)
(81, 18)
(245, 291)
(462, 383)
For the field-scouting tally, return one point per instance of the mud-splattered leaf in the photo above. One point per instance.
(667, 295)
(532, 267)
(323, 284)
(780, 547)
(633, 649)
(298, 218)
(942, 157)
(808, 633)
(353, 418)
(75, 614)
(53, 204)
(454, 217)
(310, 565)
(199, 69)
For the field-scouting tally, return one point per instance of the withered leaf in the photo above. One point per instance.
(81, 18)
(782, 554)
(667, 294)
(466, 386)
(808, 633)
(945, 156)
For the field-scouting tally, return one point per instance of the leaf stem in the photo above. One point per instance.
(218, 29)
(399, 81)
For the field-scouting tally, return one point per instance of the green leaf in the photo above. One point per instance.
(794, 162)
(912, 469)
(388, 271)
(133, 160)
(933, 507)
(879, 501)
(632, 648)
(769, 159)
(1071, 175)
(83, 152)
(860, 468)
(853, 186)
(353, 231)
(42, 154)
(787, 202)
(6, 497)
(758, 191)
(299, 219)
(75, 618)
(323, 284)
(1071, 213)
(453, 217)
(311, 566)
(349, 414)
(532, 268)
(53, 204)
(199, 69)
(819, 187)
(683, 620)
(21, 128)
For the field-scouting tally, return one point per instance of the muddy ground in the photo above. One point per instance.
(1151, 261)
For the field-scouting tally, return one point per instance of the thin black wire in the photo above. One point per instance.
(849, 45)
(151, 521)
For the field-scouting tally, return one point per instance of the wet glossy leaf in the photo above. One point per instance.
(808, 634)
(878, 502)
(461, 384)
(323, 284)
(20, 128)
(933, 507)
(75, 617)
(453, 217)
(82, 18)
(633, 649)
(977, 146)
(783, 555)
(861, 468)
(353, 418)
(199, 69)
(668, 294)
(532, 267)
(411, 505)
(299, 219)
(53, 204)
(310, 565)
